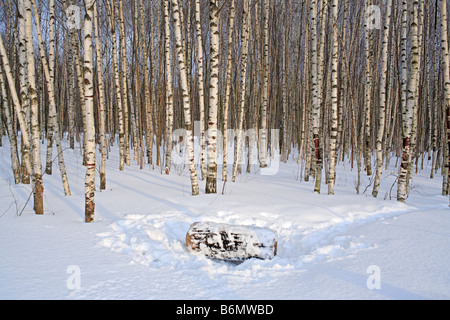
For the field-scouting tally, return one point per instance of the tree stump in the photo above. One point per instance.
(231, 242)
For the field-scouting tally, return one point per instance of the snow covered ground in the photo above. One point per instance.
(345, 246)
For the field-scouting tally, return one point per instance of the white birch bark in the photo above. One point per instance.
(285, 73)
(334, 98)
(201, 88)
(71, 98)
(15, 165)
(52, 103)
(244, 56)
(148, 105)
(185, 36)
(124, 81)
(38, 187)
(436, 103)
(51, 67)
(446, 69)
(408, 111)
(24, 100)
(112, 25)
(315, 114)
(134, 90)
(414, 128)
(133, 116)
(306, 134)
(265, 90)
(382, 111)
(186, 98)
(15, 99)
(367, 89)
(73, 35)
(228, 91)
(169, 88)
(101, 98)
(89, 115)
(211, 178)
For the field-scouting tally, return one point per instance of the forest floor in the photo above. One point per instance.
(345, 246)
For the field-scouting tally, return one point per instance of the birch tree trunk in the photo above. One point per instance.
(334, 98)
(228, 90)
(435, 58)
(368, 89)
(71, 98)
(73, 34)
(315, 99)
(15, 99)
(120, 107)
(124, 81)
(2, 126)
(446, 67)
(368, 92)
(186, 98)
(38, 187)
(201, 89)
(265, 90)
(382, 114)
(408, 111)
(306, 134)
(51, 62)
(52, 104)
(419, 90)
(148, 104)
(90, 125)
(211, 178)
(284, 76)
(24, 100)
(15, 165)
(169, 89)
(135, 92)
(244, 56)
(101, 98)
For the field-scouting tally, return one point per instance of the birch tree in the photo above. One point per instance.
(243, 85)
(52, 104)
(334, 98)
(101, 98)
(51, 67)
(321, 73)
(201, 90)
(186, 97)
(120, 105)
(38, 187)
(15, 165)
(15, 99)
(147, 99)
(90, 125)
(228, 90)
(265, 89)
(408, 110)
(315, 99)
(24, 98)
(368, 88)
(211, 178)
(446, 64)
(382, 110)
(77, 61)
(123, 54)
(169, 89)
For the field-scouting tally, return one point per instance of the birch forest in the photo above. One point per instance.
(360, 82)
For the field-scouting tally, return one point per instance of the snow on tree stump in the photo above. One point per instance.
(231, 242)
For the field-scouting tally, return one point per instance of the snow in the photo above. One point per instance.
(345, 246)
